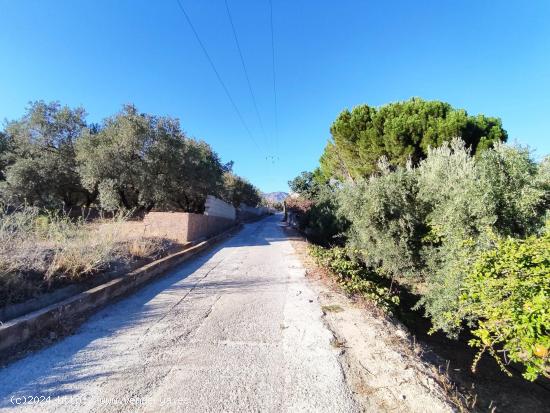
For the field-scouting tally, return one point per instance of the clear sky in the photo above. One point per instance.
(485, 56)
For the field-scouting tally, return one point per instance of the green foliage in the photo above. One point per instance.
(424, 226)
(500, 190)
(121, 160)
(505, 295)
(239, 191)
(387, 222)
(144, 161)
(37, 156)
(305, 185)
(458, 212)
(400, 131)
(318, 207)
(425, 189)
(354, 277)
(429, 226)
(516, 188)
(324, 222)
(51, 158)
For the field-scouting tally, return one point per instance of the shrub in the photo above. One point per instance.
(387, 222)
(425, 226)
(515, 188)
(354, 277)
(324, 221)
(505, 297)
(466, 197)
(457, 215)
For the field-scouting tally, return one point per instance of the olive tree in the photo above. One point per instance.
(38, 156)
(238, 190)
(137, 160)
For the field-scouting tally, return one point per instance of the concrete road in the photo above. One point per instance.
(235, 329)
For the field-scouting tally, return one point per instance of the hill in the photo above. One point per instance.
(275, 196)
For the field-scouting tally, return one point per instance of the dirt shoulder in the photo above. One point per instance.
(404, 368)
(382, 363)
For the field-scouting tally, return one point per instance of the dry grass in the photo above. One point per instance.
(39, 250)
(81, 251)
(147, 247)
(332, 308)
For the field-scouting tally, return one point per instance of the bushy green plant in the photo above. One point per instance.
(505, 296)
(37, 156)
(515, 188)
(498, 191)
(317, 204)
(52, 159)
(457, 215)
(239, 191)
(425, 226)
(429, 212)
(354, 277)
(387, 222)
(325, 223)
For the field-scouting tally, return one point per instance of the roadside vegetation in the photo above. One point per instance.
(51, 158)
(355, 277)
(40, 251)
(423, 195)
(57, 172)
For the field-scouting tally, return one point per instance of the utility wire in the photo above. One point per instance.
(245, 71)
(217, 74)
(273, 61)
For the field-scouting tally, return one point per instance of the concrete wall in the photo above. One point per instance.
(182, 226)
(250, 213)
(217, 208)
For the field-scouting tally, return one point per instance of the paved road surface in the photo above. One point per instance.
(235, 329)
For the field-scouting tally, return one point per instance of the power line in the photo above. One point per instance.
(245, 70)
(217, 74)
(273, 61)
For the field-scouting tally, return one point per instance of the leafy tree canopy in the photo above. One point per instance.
(51, 158)
(38, 159)
(144, 161)
(238, 190)
(305, 185)
(400, 131)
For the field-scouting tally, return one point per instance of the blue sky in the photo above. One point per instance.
(485, 56)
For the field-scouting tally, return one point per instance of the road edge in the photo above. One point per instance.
(78, 308)
(370, 393)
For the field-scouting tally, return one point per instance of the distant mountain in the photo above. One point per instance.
(275, 196)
